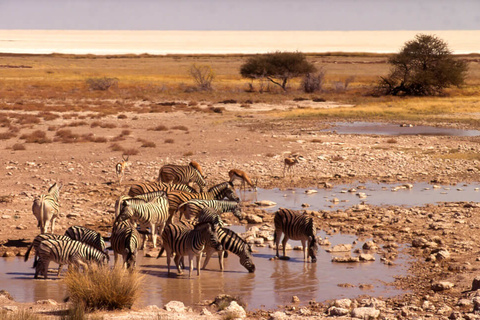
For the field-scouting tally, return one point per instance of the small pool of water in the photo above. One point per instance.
(370, 193)
(273, 283)
(396, 130)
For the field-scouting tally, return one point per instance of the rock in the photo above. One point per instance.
(9, 254)
(311, 191)
(442, 255)
(366, 257)
(10, 308)
(370, 245)
(278, 315)
(338, 312)
(340, 248)
(205, 312)
(442, 286)
(476, 284)
(365, 313)
(6, 216)
(48, 301)
(349, 259)
(5, 294)
(343, 303)
(476, 304)
(233, 311)
(265, 203)
(305, 205)
(175, 306)
(295, 299)
(253, 218)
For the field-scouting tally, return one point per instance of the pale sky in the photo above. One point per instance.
(240, 14)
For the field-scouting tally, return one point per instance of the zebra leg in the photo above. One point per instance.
(115, 258)
(52, 224)
(59, 269)
(177, 263)
(220, 259)
(304, 248)
(169, 257)
(144, 236)
(190, 264)
(276, 237)
(154, 235)
(207, 258)
(199, 259)
(284, 245)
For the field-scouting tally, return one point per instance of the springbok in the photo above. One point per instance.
(289, 162)
(237, 174)
(120, 168)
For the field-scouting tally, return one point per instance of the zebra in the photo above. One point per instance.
(36, 243)
(296, 226)
(152, 186)
(182, 240)
(153, 213)
(45, 208)
(144, 196)
(85, 235)
(217, 192)
(171, 173)
(232, 242)
(70, 252)
(193, 207)
(125, 241)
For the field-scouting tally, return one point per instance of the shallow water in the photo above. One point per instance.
(376, 194)
(396, 130)
(273, 283)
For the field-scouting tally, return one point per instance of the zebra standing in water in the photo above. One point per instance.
(234, 243)
(36, 243)
(125, 241)
(171, 173)
(217, 192)
(67, 252)
(296, 226)
(153, 186)
(193, 207)
(182, 241)
(153, 213)
(45, 208)
(85, 235)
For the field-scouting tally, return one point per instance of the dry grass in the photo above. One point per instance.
(22, 314)
(169, 140)
(159, 128)
(183, 128)
(130, 152)
(18, 147)
(103, 288)
(36, 136)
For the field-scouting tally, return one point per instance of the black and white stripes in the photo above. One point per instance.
(45, 208)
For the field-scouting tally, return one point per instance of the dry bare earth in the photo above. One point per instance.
(257, 144)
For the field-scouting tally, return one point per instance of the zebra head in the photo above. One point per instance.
(237, 212)
(312, 248)
(229, 192)
(246, 259)
(208, 232)
(126, 212)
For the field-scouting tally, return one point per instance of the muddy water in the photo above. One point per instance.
(273, 283)
(375, 194)
(396, 130)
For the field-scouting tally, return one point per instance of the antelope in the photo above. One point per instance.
(237, 174)
(120, 168)
(290, 162)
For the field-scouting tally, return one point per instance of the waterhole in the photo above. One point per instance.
(379, 128)
(345, 196)
(273, 283)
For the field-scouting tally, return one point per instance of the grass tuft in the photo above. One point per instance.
(22, 314)
(103, 288)
(36, 136)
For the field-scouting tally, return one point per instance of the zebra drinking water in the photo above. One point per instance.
(125, 242)
(190, 174)
(295, 226)
(194, 206)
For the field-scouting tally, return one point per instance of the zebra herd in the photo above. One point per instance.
(150, 209)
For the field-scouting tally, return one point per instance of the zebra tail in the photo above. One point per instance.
(28, 252)
(161, 252)
(42, 213)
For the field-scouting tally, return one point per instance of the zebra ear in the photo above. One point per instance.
(230, 183)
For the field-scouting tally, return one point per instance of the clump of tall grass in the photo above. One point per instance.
(102, 288)
(18, 146)
(22, 314)
(102, 84)
(36, 136)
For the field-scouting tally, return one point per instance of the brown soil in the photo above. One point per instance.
(257, 143)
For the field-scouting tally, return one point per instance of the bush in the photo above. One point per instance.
(203, 76)
(18, 146)
(313, 82)
(159, 128)
(36, 136)
(278, 67)
(102, 84)
(103, 288)
(424, 66)
(169, 141)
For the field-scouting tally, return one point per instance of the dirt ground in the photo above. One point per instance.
(442, 238)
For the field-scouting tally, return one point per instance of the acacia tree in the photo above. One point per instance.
(277, 67)
(424, 66)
